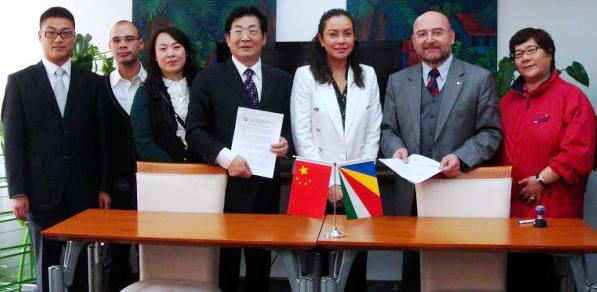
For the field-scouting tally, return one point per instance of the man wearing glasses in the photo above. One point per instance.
(444, 109)
(242, 81)
(119, 89)
(55, 149)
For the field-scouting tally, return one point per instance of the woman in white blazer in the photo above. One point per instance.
(321, 128)
(335, 111)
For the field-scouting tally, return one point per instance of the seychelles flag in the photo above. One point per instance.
(360, 188)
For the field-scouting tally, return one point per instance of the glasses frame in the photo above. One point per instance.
(65, 34)
(240, 32)
(126, 40)
(529, 51)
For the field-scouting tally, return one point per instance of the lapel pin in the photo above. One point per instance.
(458, 83)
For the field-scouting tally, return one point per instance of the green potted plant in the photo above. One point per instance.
(506, 68)
(85, 54)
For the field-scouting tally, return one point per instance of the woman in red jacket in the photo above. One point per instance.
(549, 137)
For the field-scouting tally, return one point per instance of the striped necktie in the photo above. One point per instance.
(432, 83)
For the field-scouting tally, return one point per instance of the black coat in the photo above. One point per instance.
(55, 161)
(216, 95)
(122, 163)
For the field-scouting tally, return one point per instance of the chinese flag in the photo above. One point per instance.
(309, 189)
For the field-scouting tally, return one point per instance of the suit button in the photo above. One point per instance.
(318, 129)
(316, 109)
(65, 156)
(66, 133)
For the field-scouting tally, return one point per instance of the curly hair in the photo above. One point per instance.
(317, 56)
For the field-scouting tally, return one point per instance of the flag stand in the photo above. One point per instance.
(335, 233)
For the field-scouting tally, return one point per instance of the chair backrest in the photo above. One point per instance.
(481, 192)
(180, 187)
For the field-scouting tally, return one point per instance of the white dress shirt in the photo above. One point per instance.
(51, 71)
(443, 69)
(179, 96)
(226, 155)
(124, 90)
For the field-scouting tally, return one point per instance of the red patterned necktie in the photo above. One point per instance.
(432, 83)
(251, 88)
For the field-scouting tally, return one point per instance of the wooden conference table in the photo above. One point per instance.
(281, 232)
(570, 238)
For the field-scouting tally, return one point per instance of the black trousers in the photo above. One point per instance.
(118, 272)
(47, 252)
(532, 272)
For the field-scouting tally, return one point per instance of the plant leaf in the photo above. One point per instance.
(577, 71)
(504, 76)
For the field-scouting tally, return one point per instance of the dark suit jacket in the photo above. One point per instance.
(216, 95)
(122, 163)
(55, 161)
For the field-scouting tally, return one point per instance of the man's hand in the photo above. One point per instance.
(104, 200)
(531, 190)
(20, 206)
(335, 195)
(239, 167)
(402, 154)
(450, 165)
(280, 148)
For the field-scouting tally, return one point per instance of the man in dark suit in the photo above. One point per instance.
(55, 150)
(216, 95)
(443, 108)
(119, 88)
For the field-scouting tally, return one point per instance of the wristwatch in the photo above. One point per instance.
(540, 180)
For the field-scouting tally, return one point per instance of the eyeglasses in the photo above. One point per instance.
(67, 34)
(127, 40)
(437, 33)
(239, 32)
(530, 50)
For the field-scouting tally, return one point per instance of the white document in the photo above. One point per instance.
(418, 169)
(254, 133)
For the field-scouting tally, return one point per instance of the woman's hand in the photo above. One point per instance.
(531, 190)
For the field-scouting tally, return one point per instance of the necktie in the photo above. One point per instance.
(251, 88)
(60, 90)
(432, 83)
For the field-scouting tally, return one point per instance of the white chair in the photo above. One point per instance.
(482, 192)
(178, 187)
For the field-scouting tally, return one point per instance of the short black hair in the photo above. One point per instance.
(56, 11)
(541, 37)
(241, 11)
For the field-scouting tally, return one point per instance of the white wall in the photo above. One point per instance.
(570, 23)
(296, 21)
(20, 20)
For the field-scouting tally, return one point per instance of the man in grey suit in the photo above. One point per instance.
(443, 108)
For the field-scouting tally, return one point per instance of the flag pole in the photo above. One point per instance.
(335, 233)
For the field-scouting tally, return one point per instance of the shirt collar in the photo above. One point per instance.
(51, 67)
(443, 68)
(115, 76)
(241, 67)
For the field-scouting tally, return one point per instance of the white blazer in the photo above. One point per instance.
(317, 124)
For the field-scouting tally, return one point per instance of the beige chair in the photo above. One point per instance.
(482, 192)
(177, 187)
